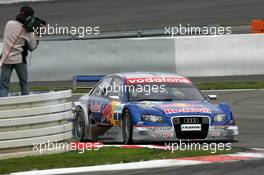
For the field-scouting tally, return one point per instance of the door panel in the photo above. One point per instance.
(113, 111)
(98, 100)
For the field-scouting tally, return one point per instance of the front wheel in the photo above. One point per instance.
(127, 128)
(79, 125)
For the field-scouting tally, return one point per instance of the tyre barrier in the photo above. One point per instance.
(32, 119)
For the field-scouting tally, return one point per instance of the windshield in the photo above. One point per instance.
(163, 92)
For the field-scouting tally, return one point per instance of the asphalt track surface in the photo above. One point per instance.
(253, 167)
(114, 15)
(248, 107)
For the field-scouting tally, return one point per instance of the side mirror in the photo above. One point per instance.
(114, 98)
(212, 97)
(103, 92)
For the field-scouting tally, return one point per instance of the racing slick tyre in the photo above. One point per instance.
(79, 125)
(127, 128)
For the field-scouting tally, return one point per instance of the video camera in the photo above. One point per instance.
(34, 23)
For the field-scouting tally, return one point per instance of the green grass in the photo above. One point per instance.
(94, 157)
(231, 85)
(45, 88)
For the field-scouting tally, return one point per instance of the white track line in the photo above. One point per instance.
(120, 166)
(258, 149)
(141, 165)
(18, 1)
(141, 146)
(248, 154)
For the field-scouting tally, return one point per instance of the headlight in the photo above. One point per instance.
(153, 118)
(220, 118)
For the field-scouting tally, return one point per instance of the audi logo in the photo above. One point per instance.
(191, 120)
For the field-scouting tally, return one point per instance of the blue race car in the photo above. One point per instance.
(150, 107)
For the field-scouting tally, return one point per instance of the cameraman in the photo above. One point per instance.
(16, 43)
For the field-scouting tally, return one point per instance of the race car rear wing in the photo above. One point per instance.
(91, 79)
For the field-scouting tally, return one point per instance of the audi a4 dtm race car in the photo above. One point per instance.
(150, 107)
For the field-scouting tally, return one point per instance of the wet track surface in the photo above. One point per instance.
(248, 109)
(112, 15)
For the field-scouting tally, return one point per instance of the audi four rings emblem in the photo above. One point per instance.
(191, 120)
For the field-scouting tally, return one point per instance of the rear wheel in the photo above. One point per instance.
(127, 128)
(79, 125)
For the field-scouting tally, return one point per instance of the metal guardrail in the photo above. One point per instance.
(158, 32)
(32, 119)
(108, 35)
